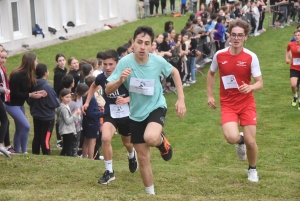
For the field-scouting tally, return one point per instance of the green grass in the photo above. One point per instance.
(204, 166)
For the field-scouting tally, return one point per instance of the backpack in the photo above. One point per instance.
(37, 30)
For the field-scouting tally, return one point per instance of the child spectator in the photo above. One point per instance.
(219, 34)
(101, 104)
(68, 82)
(43, 112)
(122, 51)
(90, 125)
(73, 70)
(66, 121)
(86, 70)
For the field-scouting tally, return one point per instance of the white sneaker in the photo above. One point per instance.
(252, 175)
(5, 152)
(101, 157)
(281, 26)
(241, 150)
(186, 85)
(198, 66)
(256, 34)
(207, 60)
(193, 82)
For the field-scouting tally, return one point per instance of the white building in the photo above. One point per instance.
(18, 17)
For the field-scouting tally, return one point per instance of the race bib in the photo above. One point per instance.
(230, 82)
(296, 61)
(142, 86)
(119, 111)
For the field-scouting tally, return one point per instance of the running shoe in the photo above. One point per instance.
(252, 175)
(133, 163)
(5, 152)
(107, 177)
(241, 150)
(294, 101)
(165, 148)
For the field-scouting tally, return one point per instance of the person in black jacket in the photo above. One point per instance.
(43, 112)
(59, 72)
(74, 71)
(21, 83)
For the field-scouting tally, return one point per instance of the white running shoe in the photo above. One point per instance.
(252, 175)
(241, 150)
(5, 152)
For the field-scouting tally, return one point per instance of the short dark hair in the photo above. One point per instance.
(146, 30)
(89, 80)
(82, 88)
(67, 81)
(40, 70)
(111, 54)
(99, 55)
(121, 50)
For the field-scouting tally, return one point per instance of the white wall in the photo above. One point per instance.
(89, 16)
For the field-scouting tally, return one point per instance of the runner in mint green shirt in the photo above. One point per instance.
(140, 72)
(145, 99)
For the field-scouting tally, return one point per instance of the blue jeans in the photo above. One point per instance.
(22, 127)
(192, 62)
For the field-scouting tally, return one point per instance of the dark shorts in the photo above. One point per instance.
(294, 73)
(91, 133)
(122, 124)
(138, 128)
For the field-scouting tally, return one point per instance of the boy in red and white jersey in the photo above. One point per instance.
(237, 65)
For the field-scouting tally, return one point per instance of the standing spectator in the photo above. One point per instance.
(43, 112)
(183, 4)
(152, 4)
(66, 121)
(141, 6)
(5, 96)
(59, 72)
(163, 4)
(146, 8)
(256, 16)
(21, 83)
(74, 71)
(194, 3)
(172, 6)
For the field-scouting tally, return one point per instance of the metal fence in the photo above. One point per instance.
(283, 14)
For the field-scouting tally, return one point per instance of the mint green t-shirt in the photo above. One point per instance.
(142, 105)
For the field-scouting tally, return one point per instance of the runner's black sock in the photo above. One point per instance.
(251, 167)
(242, 140)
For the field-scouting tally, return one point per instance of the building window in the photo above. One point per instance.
(15, 15)
(33, 13)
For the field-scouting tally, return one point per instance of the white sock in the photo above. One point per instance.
(108, 166)
(296, 95)
(58, 141)
(131, 155)
(150, 190)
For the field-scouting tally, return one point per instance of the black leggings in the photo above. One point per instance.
(4, 122)
(42, 135)
(163, 8)
(172, 5)
(67, 144)
(152, 4)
